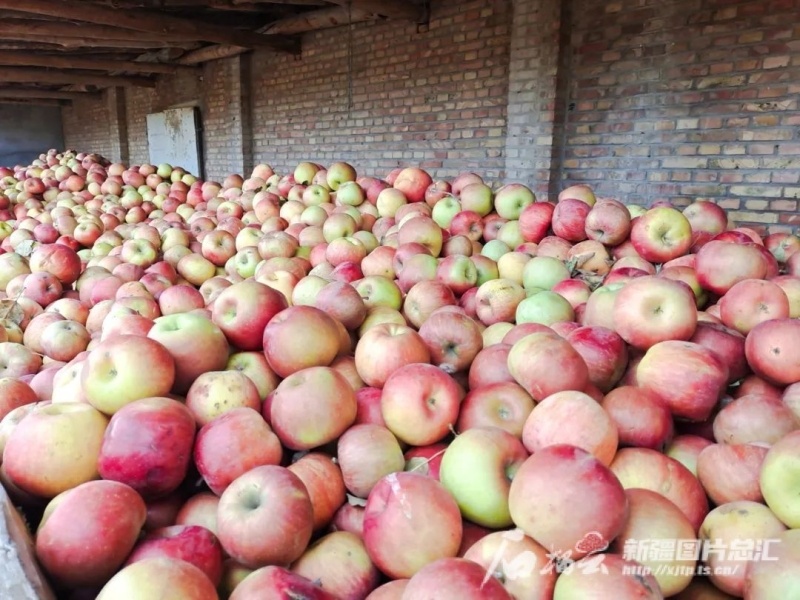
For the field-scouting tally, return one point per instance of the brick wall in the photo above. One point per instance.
(645, 100)
(223, 127)
(433, 96)
(686, 99)
(86, 126)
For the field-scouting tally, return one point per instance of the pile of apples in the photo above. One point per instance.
(323, 386)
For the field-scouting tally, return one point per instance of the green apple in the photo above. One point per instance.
(477, 197)
(349, 193)
(546, 308)
(487, 268)
(477, 469)
(494, 249)
(338, 225)
(635, 210)
(304, 172)
(780, 479)
(544, 272)
(125, 368)
(315, 194)
(376, 290)
(339, 174)
(510, 234)
(511, 199)
(306, 290)
(389, 200)
(164, 170)
(444, 211)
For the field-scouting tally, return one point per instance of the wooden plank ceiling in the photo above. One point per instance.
(53, 51)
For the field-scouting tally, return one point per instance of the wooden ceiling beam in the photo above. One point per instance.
(323, 18)
(209, 53)
(36, 102)
(25, 59)
(77, 42)
(285, 2)
(31, 93)
(78, 30)
(391, 9)
(152, 22)
(30, 75)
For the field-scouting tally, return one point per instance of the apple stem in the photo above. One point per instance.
(425, 461)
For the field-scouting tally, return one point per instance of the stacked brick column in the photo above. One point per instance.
(117, 125)
(531, 142)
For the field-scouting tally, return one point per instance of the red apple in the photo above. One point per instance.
(191, 543)
(147, 579)
(339, 563)
(604, 353)
(232, 444)
(546, 363)
(196, 344)
(278, 582)
(300, 337)
(730, 472)
(569, 219)
(772, 351)
(559, 476)
(727, 344)
(608, 222)
(366, 453)
(312, 407)
(452, 338)
(413, 182)
(490, 366)
(13, 394)
(661, 234)
(148, 445)
(87, 532)
(410, 521)
(386, 347)
(504, 405)
(642, 419)
(265, 517)
(454, 578)
(200, 509)
(653, 517)
(651, 470)
(651, 309)
(572, 418)
(500, 552)
(425, 460)
(720, 265)
(737, 305)
(325, 485)
(688, 377)
(420, 404)
(754, 418)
